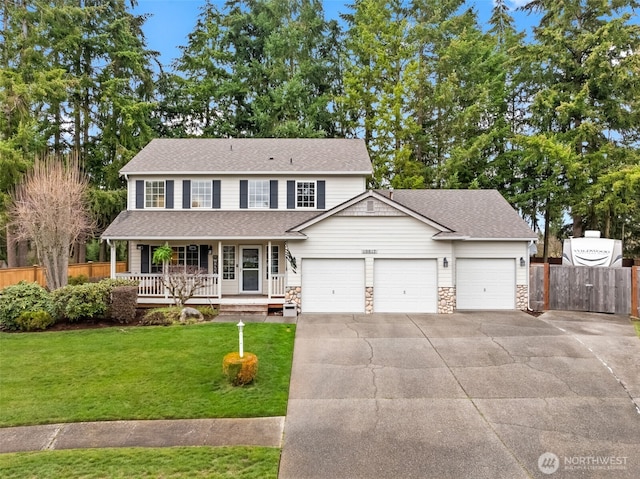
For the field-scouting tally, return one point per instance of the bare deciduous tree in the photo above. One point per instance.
(49, 209)
(182, 282)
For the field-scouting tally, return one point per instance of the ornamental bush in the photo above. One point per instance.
(82, 301)
(123, 303)
(240, 370)
(21, 297)
(34, 320)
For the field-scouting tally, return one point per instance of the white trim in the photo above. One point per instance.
(288, 173)
(300, 236)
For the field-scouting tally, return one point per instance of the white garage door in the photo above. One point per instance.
(405, 286)
(333, 286)
(486, 283)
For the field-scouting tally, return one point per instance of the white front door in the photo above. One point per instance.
(250, 277)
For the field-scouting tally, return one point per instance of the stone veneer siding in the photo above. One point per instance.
(293, 294)
(446, 300)
(522, 297)
(368, 299)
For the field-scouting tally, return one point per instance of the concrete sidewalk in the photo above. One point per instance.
(264, 431)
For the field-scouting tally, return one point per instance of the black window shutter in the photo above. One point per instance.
(320, 186)
(186, 194)
(144, 258)
(215, 192)
(244, 193)
(204, 257)
(291, 194)
(168, 192)
(139, 194)
(273, 194)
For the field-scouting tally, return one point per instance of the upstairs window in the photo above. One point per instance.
(259, 193)
(306, 194)
(154, 194)
(201, 194)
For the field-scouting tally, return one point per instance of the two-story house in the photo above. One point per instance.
(275, 220)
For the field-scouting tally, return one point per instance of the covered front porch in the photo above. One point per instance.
(226, 272)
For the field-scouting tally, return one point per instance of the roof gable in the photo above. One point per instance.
(381, 206)
(251, 155)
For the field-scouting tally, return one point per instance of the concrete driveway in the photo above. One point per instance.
(468, 395)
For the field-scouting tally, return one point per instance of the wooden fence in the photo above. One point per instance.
(578, 288)
(9, 276)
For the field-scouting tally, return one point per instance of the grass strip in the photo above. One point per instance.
(174, 463)
(140, 373)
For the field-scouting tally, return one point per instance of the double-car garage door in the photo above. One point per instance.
(400, 285)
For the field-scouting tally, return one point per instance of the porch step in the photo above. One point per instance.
(241, 309)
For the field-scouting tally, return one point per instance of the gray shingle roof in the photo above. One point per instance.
(254, 155)
(476, 214)
(167, 225)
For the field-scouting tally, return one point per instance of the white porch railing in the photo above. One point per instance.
(277, 284)
(150, 285)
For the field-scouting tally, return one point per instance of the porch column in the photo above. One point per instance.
(269, 269)
(112, 259)
(220, 268)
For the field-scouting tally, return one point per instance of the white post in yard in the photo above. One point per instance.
(240, 338)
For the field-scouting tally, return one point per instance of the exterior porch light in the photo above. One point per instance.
(210, 251)
(240, 338)
(140, 246)
(522, 262)
(445, 263)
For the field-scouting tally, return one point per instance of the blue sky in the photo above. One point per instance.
(170, 21)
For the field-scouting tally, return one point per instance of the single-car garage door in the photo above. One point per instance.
(333, 286)
(485, 283)
(405, 286)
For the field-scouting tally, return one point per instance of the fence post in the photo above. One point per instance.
(545, 288)
(634, 291)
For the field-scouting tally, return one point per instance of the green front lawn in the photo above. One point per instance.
(140, 373)
(176, 463)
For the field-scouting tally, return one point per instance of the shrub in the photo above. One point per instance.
(21, 297)
(158, 317)
(34, 320)
(240, 370)
(208, 312)
(83, 301)
(80, 279)
(122, 304)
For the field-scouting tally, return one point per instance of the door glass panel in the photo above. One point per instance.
(250, 269)
(250, 258)
(250, 280)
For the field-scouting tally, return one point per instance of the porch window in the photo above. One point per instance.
(259, 193)
(228, 262)
(306, 194)
(182, 256)
(201, 194)
(154, 194)
(275, 259)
